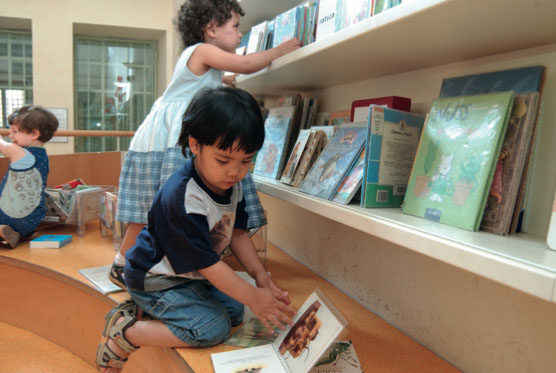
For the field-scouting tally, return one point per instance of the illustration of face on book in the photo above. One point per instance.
(302, 332)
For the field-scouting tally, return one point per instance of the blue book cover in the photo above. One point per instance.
(392, 141)
(330, 168)
(521, 80)
(271, 158)
(285, 27)
(51, 241)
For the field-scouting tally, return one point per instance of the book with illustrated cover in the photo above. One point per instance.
(98, 276)
(252, 333)
(296, 349)
(339, 358)
(50, 241)
(256, 38)
(355, 11)
(334, 161)
(339, 117)
(312, 150)
(551, 237)
(285, 27)
(520, 80)
(456, 157)
(503, 196)
(351, 183)
(392, 140)
(360, 108)
(382, 5)
(295, 156)
(278, 129)
(329, 18)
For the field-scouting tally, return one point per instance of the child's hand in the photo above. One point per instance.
(230, 80)
(263, 281)
(289, 46)
(270, 311)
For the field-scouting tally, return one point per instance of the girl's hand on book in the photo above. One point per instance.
(271, 312)
(289, 46)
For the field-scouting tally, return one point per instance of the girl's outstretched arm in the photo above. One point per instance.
(208, 55)
(10, 150)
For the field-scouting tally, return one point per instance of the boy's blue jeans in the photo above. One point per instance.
(196, 312)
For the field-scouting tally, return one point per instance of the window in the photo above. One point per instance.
(115, 89)
(16, 72)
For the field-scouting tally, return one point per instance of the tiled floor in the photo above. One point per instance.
(25, 352)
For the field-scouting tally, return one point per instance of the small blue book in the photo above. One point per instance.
(50, 241)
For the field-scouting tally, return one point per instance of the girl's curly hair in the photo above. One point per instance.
(194, 15)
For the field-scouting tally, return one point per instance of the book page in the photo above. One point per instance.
(254, 359)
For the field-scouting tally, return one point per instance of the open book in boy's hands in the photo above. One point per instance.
(296, 349)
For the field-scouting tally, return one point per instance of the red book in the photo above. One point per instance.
(393, 102)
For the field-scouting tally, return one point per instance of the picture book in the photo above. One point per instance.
(98, 276)
(339, 358)
(360, 108)
(551, 237)
(50, 241)
(502, 199)
(270, 159)
(268, 37)
(351, 183)
(520, 80)
(322, 118)
(354, 11)
(329, 19)
(334, 161)
(252, 333)
(295, 156)
(392, 140)
(296, 349)
(456, 158)
(340, 117)
(256, 37)
(285, 27)
(311, 152)
(382, 5)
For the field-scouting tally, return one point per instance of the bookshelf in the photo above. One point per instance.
(392, 44)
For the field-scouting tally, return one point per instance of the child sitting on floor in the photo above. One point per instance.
(22, 201)
(173, 272)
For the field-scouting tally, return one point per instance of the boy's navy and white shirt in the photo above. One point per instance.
(188, 228)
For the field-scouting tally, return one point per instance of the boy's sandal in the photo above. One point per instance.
(105, 356)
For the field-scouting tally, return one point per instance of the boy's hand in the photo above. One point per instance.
(263, 281)
(289, 46)
(270, 311)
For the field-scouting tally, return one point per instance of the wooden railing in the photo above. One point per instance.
(83, 133)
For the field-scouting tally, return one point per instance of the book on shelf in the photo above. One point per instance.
(520, 80)
(506, 183)
(256, 37)
(380, 6)
(98, 276)
(456, 158)
(297, 348)
(551, 236)
(352, 182)
(50, 241)
(340, 357)
(295, 156)
(340, 117)
(268, 37)
(322, 118)
(312, 150)
(309, 108)
(278, 131)
(286, 26)
(392, 140)
(334, 161)
(354, 11)
(360, 108)
(329, 18)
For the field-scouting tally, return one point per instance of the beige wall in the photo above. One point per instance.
(54, 24)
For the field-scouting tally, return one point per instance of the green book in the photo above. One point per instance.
(455, 161)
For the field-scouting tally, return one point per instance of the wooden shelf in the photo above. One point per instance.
(412, 36)
(521, 261)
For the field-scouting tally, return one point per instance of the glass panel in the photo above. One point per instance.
(138, 80)
(150, 55)
(3, 47)
(17, 74)
(95, 77)
(95, 51)
(28, 74)
(4, 69)
(17, 49)
(82, 51)
(137, 54)
(28, 50)
(82, 80)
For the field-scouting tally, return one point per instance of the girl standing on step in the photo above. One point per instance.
(210, 33)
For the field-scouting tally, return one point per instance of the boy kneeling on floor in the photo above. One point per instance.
(173, 272)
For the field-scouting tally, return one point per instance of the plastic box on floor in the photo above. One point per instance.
(107, 217)
(75, 206)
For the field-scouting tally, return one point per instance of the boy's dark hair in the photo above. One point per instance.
(35, 117)
(222, 116)
(194, 15)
